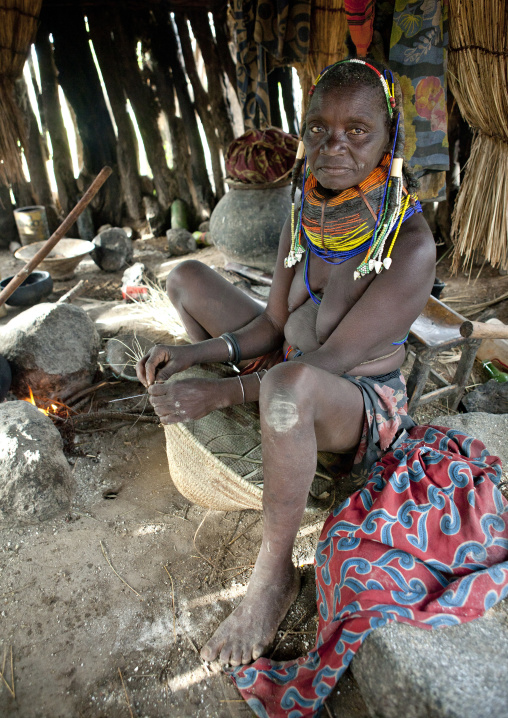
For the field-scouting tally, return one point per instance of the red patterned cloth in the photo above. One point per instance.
(425, 542)
(260, 156)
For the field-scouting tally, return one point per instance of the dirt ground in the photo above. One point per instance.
(106, 608)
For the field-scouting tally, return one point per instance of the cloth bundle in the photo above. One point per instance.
(425, 542)
(258, 157)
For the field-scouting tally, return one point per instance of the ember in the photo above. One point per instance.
(50, 407)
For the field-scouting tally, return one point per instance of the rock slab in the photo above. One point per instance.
(35, 479)
(491, 397)
(456, 672)
(50, 348)
(491, 429)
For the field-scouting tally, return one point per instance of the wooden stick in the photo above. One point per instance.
(482, 330)
(126, 694)
(56, 236)
(472, 308)
(114, 415)
(173, 601)
(76, 290)
(117, 574)
(2, 675)
(89, 390)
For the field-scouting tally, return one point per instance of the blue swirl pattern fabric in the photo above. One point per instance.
(425, 542)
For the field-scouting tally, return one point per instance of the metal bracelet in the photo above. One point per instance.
(232, 343)
(238, 354)
(229, 343)
(243, 390)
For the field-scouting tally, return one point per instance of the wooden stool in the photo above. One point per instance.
(437, 329)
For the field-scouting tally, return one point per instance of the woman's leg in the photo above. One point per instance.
(303, 410)
(207, 303)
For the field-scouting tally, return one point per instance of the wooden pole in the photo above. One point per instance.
(482, 330)
(56, 236)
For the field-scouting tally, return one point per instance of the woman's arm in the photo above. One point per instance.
(388, 307)
(260, 336)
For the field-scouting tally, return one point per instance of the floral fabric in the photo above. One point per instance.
(424, 542)
(386, 419)
(418, 58)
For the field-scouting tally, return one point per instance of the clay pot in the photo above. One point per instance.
(36, 286)
(246, 225)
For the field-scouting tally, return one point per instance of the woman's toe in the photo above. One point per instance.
(225, 654)
(247, 656)
(236, 656)
(257, 651)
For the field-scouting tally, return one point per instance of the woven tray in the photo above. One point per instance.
(216, 462)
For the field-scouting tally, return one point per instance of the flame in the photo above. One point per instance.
(48, 409)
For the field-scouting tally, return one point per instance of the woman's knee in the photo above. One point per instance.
(286, 396)
(183, 278)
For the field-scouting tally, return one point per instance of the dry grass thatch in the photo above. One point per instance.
(478, 77)
(18, 25)
(328, 30)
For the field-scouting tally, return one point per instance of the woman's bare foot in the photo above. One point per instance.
(244, 635)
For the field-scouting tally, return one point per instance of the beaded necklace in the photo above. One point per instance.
(336, 248)
(352, 229)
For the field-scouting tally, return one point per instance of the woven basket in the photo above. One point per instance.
(215, 462)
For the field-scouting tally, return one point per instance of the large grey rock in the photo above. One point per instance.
(113, 249)
(491, 429)
(35, 479)
(51, 348)
(457, 672)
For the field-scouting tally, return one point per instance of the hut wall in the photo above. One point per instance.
(79, 79)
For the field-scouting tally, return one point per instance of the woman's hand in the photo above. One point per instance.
(187, 399)
(162, 361)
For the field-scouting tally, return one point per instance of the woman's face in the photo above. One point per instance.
(346, 135)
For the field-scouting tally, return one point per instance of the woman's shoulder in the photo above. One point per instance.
(416, 243)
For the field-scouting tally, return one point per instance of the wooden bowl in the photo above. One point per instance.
(62, 260)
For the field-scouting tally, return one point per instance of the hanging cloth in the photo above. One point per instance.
(418, 58)
(267, 32)
(360, 20)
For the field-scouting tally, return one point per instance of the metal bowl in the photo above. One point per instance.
(62, 260)
(36, 286)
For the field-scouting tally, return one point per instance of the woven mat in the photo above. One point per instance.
(216, 461)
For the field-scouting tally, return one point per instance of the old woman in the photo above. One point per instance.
(355, 267)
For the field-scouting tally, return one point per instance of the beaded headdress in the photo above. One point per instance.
(392, 208)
